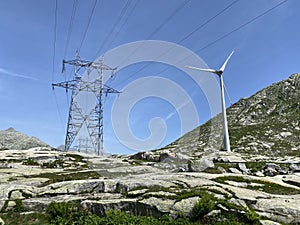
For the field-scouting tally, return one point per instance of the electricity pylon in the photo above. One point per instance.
(93, 120)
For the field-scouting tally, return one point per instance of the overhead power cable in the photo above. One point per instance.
(124, 9)
(207, 22)
(231, 32)
(70, 28)
(88, 24)
(177, 9)
(224, 36)
(187, 36)
(54, 39)
(180, 7)
(53, 56)
(124, 22)
(242, 26)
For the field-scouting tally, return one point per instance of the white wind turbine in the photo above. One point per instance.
(219, 73)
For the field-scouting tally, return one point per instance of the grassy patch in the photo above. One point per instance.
(59, 163)
(58, 177)
(11, 160)
(75, 157)
(30, 162)
(27, 219)
(255, 166)
(206, 204)
(17, 208)
(268, 187)
(67, 213)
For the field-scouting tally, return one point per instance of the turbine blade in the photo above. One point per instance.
(205, 70)
(226, 61)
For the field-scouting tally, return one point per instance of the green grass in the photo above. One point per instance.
(17, 208)
(58, 177)
(30, 162)
(268, 187)
(13, 218)
(77, 158)
(59, 163)
(67, 213)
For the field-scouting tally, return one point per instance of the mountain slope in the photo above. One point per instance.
(12, 139)
(266, 123)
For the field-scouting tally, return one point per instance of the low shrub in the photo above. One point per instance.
(206, 204)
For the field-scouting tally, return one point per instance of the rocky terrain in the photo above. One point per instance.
(36, 177)
(259, 182)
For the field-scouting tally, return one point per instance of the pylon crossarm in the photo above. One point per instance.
(108, 89)
(66, 84)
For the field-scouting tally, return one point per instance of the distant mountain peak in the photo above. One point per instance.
(10, 130)
(12, 139)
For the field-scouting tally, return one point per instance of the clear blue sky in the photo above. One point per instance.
(267, 51)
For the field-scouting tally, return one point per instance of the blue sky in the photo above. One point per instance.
(267, 51)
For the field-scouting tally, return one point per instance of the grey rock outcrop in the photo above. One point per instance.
(105, 183)
(12, 139)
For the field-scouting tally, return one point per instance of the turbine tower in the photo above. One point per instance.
(219, 73)
(91, 120)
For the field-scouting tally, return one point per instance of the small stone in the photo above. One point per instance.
(285, 134)
(238, 202)
(16, 195)
(234, 170)
(242, 167)
(272, 170)
(269, 222)
(259, 174)
(11, 204)
(294, 168)
(186, 205)
(222, 208)
(221, 169)
(206, 163)
(213, 213)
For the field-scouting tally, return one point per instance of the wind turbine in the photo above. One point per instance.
(219, 73)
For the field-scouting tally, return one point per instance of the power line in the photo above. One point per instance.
(54, 39)
(178, 8)
(53, 57)
(241, 26)
(124, 9)
(181, 6)
(70, 28)
(224, 36)
(207, 21)
(125, 21)
(187, 36)
(88, 24)
(231, 32)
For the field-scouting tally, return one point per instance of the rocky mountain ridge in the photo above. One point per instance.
(12, 139)
(267, 123)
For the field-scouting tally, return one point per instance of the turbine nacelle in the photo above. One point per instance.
(218, 72)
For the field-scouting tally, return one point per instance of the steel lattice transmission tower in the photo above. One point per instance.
(93, 120)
